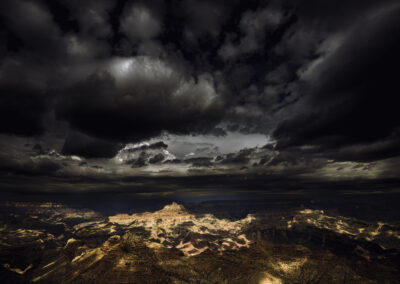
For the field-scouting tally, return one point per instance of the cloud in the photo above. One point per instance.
(199, 162)
(139, 23)
(208, 78)
(351, 90)
(88, 147)
(204, 17)
(147, 146)
(140, 98)
(92, 16)
(33, 26)
(254, 26)
(156, 159)
(28, 166)
(143, 154)
(22, 109)
(242, 157)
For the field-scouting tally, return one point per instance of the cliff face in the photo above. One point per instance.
(48, 243)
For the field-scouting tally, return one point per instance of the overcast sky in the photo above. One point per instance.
(99, 92)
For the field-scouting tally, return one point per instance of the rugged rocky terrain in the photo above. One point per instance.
(49, 243)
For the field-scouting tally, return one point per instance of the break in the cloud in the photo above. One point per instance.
(278, 87)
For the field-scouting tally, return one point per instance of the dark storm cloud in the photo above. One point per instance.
(33, 28)
(143, 105)
(242, 157)
(88, 147)
(88, 17)
(199, 162)
(353, 92)
(140, 23)
(335, 15)
(273, 187)
(203, 18)
(320, 77)
(156, 159)
(13, 166)
(37, 53)
(255, 26)
(22, 107)
(32, 40)
(385, 148)
(266, 89)
(218, 132)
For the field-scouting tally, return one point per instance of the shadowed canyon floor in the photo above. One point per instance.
(54, 243)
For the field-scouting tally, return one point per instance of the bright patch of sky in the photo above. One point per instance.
(184, 146)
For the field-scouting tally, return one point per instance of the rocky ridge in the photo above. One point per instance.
(53, 243)
(174, 226)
